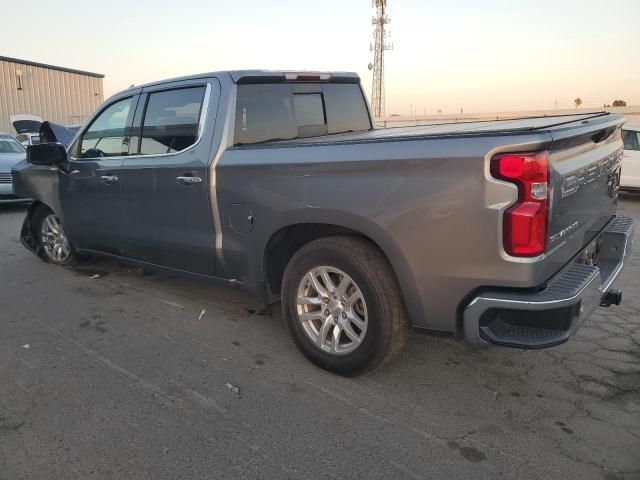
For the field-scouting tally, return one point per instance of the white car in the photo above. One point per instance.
(27, 126)
(27, 139)
(630, 177)
(11, 153)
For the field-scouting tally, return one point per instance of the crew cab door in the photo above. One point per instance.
(630, 176)
(165, 182)
(90, 188)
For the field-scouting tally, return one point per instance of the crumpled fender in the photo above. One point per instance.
(27, 235)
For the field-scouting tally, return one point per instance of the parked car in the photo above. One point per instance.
(27, 139)
(630, 178)
(27, 126)
(500, 232)
(11, 153)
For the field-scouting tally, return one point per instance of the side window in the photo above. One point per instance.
(631, 140)
(105, 135)
(171, 120)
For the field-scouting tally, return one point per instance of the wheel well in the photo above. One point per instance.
(287, 241)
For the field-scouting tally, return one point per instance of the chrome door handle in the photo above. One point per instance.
(188, 180)
(108, 179)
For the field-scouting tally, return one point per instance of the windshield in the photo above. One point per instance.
(9, 145)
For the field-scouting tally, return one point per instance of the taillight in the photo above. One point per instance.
(525, 223)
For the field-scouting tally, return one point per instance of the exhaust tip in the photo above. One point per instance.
(611, 297)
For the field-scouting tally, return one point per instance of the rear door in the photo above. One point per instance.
(90, 188)
(165, 178)
(630, 177)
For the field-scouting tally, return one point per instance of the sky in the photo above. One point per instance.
(476, 55)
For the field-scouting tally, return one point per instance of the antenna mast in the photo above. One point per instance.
(379, 45)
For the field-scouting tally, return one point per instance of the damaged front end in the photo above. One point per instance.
(39, 180)
(28, 237)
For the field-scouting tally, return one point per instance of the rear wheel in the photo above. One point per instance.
(55, 245)
(343, 306)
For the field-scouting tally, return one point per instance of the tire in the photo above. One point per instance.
(379, 320)
(67, 255)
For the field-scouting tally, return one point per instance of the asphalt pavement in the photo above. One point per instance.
(109, 372)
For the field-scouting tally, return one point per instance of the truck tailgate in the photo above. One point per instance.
(584, 159)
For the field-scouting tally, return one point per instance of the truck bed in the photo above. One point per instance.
(476, 128)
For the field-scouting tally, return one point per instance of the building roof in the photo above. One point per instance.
(51, 67)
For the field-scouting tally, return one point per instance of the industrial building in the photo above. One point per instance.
(61, 95)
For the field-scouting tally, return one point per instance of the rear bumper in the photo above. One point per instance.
(548, 317)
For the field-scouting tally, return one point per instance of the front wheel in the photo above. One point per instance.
(343, 306)
(53, 240)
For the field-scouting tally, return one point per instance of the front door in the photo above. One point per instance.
(165, 178)
(90, 189)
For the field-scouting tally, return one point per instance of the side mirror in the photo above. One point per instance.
(47, 154)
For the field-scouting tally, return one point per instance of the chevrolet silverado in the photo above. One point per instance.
(500, 232)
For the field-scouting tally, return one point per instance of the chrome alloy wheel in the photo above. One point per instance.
(332, 310)
(53, 239)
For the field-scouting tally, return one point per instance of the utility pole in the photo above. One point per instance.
(378, 47)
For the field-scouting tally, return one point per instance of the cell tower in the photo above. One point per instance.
(380, 44)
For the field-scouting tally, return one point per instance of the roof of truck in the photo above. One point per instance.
(255, 76)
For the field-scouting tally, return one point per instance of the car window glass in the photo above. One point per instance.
(264, 112)
(346, 109)
(105, 135)
(9, 145)
(171, 120)
(281, 111)
(309, 109)
(631, 140)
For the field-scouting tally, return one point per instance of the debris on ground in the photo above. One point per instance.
(94, 276)
(232, 388)
(202, 312)
(26, 345)
(173, 304)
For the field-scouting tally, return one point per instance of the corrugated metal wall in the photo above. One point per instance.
(61, 97)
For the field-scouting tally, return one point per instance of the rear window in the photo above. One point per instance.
(346, 109)
(308, 109)
(284, 111)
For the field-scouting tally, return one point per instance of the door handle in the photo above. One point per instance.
(188, 180)
(109, 179)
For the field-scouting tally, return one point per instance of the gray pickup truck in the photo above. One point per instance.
(500, 232)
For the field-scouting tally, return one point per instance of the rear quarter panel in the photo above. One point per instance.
(428, 204)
